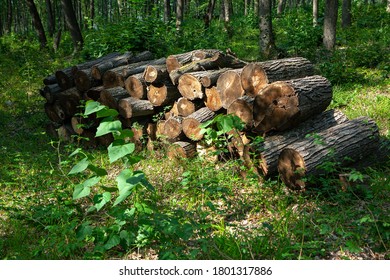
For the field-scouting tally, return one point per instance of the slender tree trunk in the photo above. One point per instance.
(179, 14)
(37, 23)
(256, 4)
(267, 44)
(9, 16)
(281, 4)
(330, 21)
(167, 10)
(92, 11)
(72, 24)
(388, 6)
(315, 12)
(346, 14)
(50, 18)
(209, 14)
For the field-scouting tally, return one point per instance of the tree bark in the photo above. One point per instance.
(191, 124)
(283, 105)
(330, 22)
(256, 76)
(72, 24)
(267, 152)
(176, 61)
(346, 17)
(182, 149)
(50, 18)
(209, 14)
(111, 96)
(179, 14)
(266, 42)
(9, 17)
(315, 12)
(342, 144)
(36, 19)
(98, 70)
(167, 10)
(131, 107)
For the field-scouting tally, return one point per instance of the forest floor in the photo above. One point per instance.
(245, 218)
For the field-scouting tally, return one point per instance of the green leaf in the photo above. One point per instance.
(93, 107)
(107, 112)
(107, 126)
(81, 191)
(104, 198)
(112, 242)
(116, 152)
(127, 133)
(97, 170)
(83, 231)
(77, 151)
(80, 166)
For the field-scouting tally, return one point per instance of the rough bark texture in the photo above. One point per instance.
(181, 149)
(282, 105)
(257, 75)
(178, 60)
(84, 80)
(330, 22)
(98, 70)
(268, 151)
(132, 107)
(191, 124)
(229, 87)
(342, 144)
(111, 96)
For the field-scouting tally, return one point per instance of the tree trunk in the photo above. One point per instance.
(176, 61)
(330, 22)
(229, 87)
(98, 70)
(266, 42)
(72, 24)
(110, 97)
(191, 124)
(283, 105)
(346, 14)
(131, 107)
(209, 14)
(179, 14)
(256, 76)
(267, 152)
(136, 86)
(342, 144)
(181, 149)
(50, 18)
(37, 23)
(281, 4)
(315, 12)
(167, 10)
(9, 17)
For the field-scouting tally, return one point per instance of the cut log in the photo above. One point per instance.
(257, 75)
(161, 95)
(52, 113)
(132, 107)
(65, 78)
(49, 92)
(89, 64)
(181, 149)
(136, 86)
(243, 108)
(218, 60)
(114, 77)
(213, 99)
(98, 70)
(267, 152)
(50, 80)
(229, 87)
(210, 77)
(93, 93)
(173, 129)
(191, 124)
(342, 144)
(160, 129)
(67, 103)
(156, 73)
(178, 60)
(65, 133)
(173, 112)
(190, 87)
(186, 107)
(111, 96)
(140, 67)
(282, 105)
(84, 81)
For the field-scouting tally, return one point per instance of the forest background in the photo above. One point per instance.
(190, 209)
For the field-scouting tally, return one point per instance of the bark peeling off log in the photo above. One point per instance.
(341, 144)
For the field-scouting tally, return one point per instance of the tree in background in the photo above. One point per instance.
(330, 21)
(36, 20)
(346, 14)
(179, 14)
(71, 22)
(315, 12)
(209, 13)
(266, 42)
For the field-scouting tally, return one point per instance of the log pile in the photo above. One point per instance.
(281, 100)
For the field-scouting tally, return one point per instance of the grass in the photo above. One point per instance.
(201, 209)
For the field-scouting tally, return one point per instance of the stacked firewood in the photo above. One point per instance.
(169, 98)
